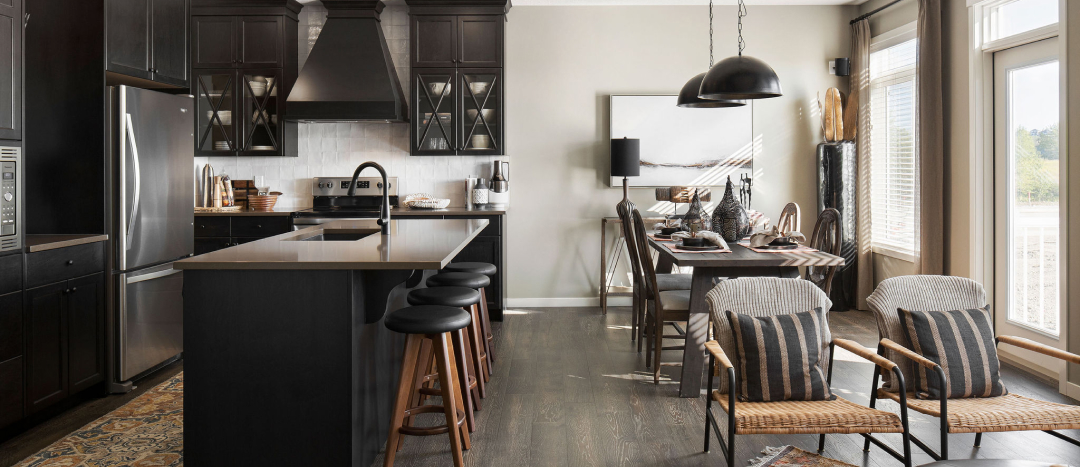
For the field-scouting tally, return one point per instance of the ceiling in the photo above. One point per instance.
(681, 2)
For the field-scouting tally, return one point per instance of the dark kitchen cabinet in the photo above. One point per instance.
(65, 339)
(457, 111)
(243, 67)
(446, 41)
(147, 39)
(218, 232)
(457, 72)
(11, 358)
(11, 70)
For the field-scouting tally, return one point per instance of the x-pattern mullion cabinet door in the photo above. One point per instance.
(216, 113)
(480, 111)
(434, 116)
(260, 112)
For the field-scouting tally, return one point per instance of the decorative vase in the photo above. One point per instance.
(729, 219)
(696, 212)
(836, 166)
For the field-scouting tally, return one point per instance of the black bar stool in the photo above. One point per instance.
(476, 282)
(489, 270)
(437, 324)
(457, 297)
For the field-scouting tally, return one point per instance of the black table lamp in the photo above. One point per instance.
(625, 162)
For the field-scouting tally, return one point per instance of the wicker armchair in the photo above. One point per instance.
(769, 296)
(978, 415)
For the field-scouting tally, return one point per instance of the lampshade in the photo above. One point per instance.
(740, 77)
(625, 157)
(688, 97)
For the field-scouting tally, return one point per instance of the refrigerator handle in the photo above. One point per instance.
(138, 179)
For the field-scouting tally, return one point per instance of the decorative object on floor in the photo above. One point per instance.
(148, 431)
(697, 213)
(837, 170)
(681, 147)
(833, 117)
(625, 162)
(791, 456)
(740, 77)
(688, 96)
(424, 201)
(729, 219)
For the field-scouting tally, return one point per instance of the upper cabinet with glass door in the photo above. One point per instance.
(457, 88)
(244, 67)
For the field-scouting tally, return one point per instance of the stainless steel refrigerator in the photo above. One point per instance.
(151, 144)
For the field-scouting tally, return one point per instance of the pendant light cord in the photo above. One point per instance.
(742, 12)
(710, 35)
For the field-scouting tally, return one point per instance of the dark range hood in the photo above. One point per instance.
(349, 74)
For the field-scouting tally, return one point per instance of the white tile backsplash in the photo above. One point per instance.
(335, 149)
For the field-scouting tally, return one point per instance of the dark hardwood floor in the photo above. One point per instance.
(14, 450)
(570, 389)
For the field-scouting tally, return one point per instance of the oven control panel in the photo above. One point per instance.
(10, 194)
(339, 186)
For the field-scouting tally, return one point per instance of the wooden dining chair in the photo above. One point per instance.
(826, 238)
(790, 219)
(662, 307)
(664, 281)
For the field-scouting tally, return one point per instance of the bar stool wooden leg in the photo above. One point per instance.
(463, 380)
(470, 363)
(423, 368)
(489, 338)
(450, 399)
(478, 346)
(466, 443)
(401, 402)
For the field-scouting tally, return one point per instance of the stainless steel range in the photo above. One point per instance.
(332, 201)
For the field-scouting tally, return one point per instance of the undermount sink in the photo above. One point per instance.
(336, 235)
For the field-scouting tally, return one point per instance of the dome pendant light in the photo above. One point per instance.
(740, 77)
(688, 96)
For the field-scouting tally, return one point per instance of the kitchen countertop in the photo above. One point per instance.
(395, 210)
(249, 212)
(36, 243)
(411, 244)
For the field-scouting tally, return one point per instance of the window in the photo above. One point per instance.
(894, 150)
(1018, 16)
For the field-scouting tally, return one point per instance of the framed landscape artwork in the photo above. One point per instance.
(683, 146)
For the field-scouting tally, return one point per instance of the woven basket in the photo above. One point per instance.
(263, 202)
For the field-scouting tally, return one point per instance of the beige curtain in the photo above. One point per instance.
(858, 110)
(930, 250)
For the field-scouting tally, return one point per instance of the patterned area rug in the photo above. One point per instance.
(791, 456)
(146, 432)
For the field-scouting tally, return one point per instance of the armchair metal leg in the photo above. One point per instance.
(821, 443)
(978, 440)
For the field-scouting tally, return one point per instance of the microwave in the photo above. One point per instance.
(11, 217)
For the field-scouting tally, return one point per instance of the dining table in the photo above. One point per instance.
(741, 261)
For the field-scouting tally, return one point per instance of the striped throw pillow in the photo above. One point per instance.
(962, 342)
(780, 357)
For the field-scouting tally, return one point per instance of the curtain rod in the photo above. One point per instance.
(872, 13)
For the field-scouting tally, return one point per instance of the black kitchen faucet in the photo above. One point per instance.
(384, 210)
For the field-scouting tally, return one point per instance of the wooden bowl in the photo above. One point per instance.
(262, 202)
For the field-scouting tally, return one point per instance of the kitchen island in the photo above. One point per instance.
(286, 360)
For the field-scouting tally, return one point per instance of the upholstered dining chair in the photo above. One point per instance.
(790, 219)
(1009, 412)
(772, 296)
(826, 238)
(664, 281)
(662, 307)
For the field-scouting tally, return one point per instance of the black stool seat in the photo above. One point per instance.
(486, 269)
(459, 279)
(446, 296)
(427, 319)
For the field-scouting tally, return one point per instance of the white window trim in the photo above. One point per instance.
(880, 42)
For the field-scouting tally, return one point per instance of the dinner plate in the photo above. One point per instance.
(697, 248)
(660, 235)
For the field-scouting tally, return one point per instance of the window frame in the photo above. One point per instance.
(878, 43)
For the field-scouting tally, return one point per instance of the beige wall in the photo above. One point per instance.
(563, 62)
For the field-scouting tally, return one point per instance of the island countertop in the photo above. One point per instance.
(412, 244)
